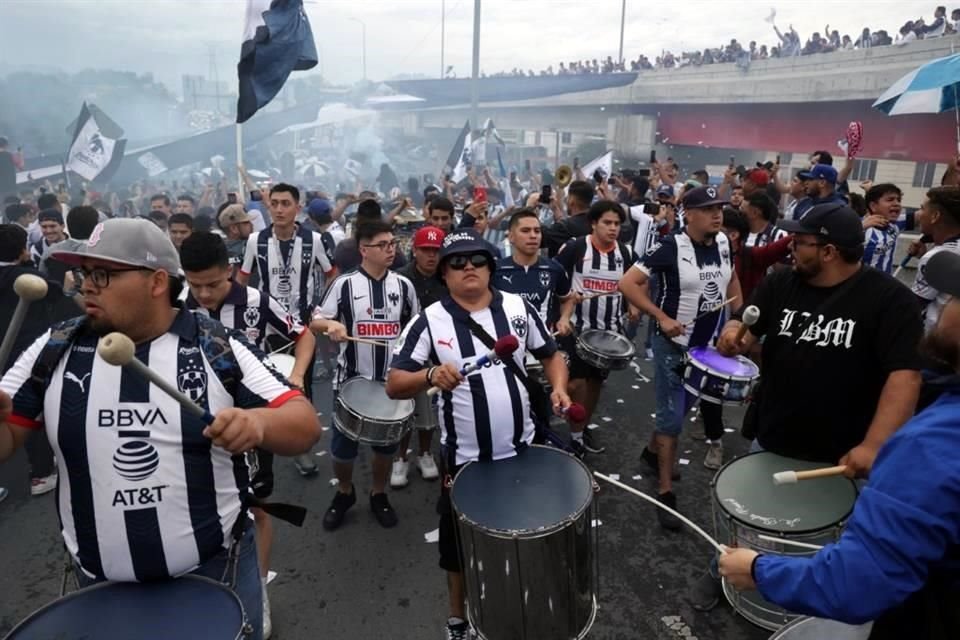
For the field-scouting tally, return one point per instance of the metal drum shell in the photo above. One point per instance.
(739, 531)
(807, 628)
(424, 412)
(365, 429)
(532, 584)
(697, 376)
(604, 360)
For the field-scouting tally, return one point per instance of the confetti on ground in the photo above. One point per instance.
(432, 536)
(638, 477)
(321, 453)
(689, 451)
(684, 461)
(619, 400)
(613, 476)
(595, 523)
(606, 418)
(633, 386)
(325, 428)
(593, 425)
(653, 415)
(333, 482)
(271, 576)
(728, 430)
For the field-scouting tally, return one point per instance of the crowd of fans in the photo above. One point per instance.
(789, 45)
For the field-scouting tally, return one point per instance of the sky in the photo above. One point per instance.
(173, 37)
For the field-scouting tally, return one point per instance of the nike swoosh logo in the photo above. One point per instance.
(358, 297)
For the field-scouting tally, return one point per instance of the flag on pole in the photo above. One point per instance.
(276, 41)
(503, 169)
(604, 163)
(490, 131)
(93, 154)
(465, 161)
(458, 147)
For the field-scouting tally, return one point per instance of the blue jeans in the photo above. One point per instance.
(671, 401)
(248, 587)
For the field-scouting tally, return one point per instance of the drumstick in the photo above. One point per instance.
(591, 296)
(715, 308)
(750, 316)
(640, 494)
(29, 288)
(503, 348)
(117, 349)
(903, 263)
(792, 543)
(376, 343)
(792, 477)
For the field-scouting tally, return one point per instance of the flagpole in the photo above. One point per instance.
(239, 132)
(475, 83)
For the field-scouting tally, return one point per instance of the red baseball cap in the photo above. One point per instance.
(758, 177)
(430, 237)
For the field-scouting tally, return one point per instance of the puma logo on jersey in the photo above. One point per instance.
(507, 278)
(447, 343)
(687, 260)
(80, 381)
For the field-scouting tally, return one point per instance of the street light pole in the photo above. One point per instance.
(475, 84)
(623, 16)
(443, 36)
(363, 36)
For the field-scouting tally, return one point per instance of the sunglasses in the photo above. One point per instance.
(476, 259)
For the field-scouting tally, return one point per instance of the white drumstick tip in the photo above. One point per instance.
(30, 287)
(785, 477)
(750, 315)
(116, 348)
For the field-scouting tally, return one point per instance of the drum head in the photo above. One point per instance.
(529, 493)
(188, 607)
(283, 363)
(607, 343)
(822, 629)
(738, 367)
(369, 398)
(744, 489)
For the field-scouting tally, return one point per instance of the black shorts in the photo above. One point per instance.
(261, 484)
(451, 554)
(579, 370)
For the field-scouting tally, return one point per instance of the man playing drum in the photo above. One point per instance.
(371, 303)
(594, 265)
(258, 316)
(903, 540)
(695, 276)
(848, 334)
(147, 490)
(486, 415)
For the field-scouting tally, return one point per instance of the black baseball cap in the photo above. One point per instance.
(465, 241)
(942, 272)
(837, 223)
(702, 198)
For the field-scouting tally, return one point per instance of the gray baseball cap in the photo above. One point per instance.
(130, 241)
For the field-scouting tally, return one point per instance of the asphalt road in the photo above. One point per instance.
(366, 582)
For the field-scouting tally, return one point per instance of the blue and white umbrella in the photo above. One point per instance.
(931, 88)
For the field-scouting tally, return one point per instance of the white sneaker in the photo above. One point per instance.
(40, 486)
(428, 467)
(267, 622)
(398, 474)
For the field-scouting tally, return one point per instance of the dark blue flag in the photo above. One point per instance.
(277, 40)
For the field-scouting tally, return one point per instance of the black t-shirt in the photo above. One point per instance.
(821, 389)
(8, 174)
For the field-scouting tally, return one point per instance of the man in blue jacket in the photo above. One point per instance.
(898, 561)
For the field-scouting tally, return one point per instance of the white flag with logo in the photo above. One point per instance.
(604, 163)
(465, 160)
(91, 151)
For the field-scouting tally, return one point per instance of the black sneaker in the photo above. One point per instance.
(333, 518)
(381, 508)
(706, 592)
(577, 448)
(668, 520)
(306, 465)
(591, 442)
(653, 464)
(458, 631)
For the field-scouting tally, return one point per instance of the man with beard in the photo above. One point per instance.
(849, 333)
(903, 539)
(820, 186)
(939, 218)
(237, 226)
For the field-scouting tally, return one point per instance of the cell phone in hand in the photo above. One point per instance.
(653, 156)
(733, 161)
(479, 194)
(546, 194)
(778, 158)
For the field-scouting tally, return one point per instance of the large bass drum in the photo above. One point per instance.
(747, 504)
(821, 629)
(529, 547)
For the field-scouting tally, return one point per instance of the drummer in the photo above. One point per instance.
(372, 303)
(488, 417)
(695, 277)
(903, 539)
(258, 316)
(429, 286)
(188, 514)
(594, 264)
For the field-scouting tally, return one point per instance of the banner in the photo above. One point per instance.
(92, 154)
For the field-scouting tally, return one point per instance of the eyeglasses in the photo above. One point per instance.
(383, 246)
(459, 262)
(807, 244)
(100, 276)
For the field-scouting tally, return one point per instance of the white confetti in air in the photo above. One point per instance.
(703, 125)
(606, 419)
(638, 477)
(665, 141)
(728, 430)
(320, 454)
(593, 425)
(432, 536)
(271, 576)
(684, 461)
(614, 476)
(700, 142)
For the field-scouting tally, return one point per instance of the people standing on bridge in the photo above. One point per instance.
(369, 302)
(168, 497)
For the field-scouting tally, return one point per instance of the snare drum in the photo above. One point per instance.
(822, 629)
(424, 412)
(282, 362)
(365, 414)
(719, 379)
(189, 607)
(530, 562)
(746, 503)
(604, 349)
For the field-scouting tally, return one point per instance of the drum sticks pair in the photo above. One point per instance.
(29, 288)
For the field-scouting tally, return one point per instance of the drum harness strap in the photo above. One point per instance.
(213, 339)
(538, 399)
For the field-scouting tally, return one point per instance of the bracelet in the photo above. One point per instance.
(430, 375)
